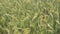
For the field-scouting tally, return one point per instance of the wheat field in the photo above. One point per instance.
(29, 16)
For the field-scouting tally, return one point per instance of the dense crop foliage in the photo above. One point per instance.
(29, 16)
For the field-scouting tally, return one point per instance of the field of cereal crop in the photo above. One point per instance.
(29, 16)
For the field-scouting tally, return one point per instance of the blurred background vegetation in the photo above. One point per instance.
(29, 16)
